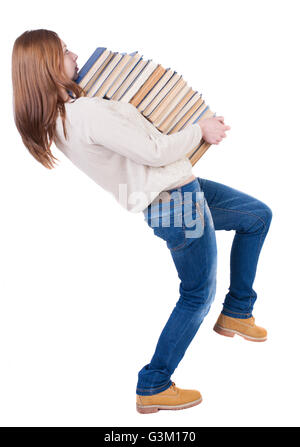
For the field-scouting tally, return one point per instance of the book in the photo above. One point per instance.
(161, 95)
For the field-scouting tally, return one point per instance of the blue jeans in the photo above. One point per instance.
(187, 224)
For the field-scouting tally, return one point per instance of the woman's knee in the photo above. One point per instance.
(266, 215)
(259, 218)
(200, 296)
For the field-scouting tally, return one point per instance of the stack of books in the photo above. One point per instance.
(161, 95)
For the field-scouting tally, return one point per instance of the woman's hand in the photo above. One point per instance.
(213, 129)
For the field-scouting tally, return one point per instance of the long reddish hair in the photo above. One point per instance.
(38, 75)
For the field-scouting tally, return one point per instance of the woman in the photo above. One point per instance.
(146, 171)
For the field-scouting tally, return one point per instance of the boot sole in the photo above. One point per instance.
(231, 333)
(146, 409)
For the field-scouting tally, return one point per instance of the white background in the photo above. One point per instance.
(86, 288)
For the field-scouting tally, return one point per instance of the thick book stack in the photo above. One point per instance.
(161, 95)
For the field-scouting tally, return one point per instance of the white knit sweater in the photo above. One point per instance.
(123, 152)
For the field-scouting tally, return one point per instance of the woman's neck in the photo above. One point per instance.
(66, 96)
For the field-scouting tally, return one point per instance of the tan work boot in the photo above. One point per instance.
(245, 327)
(172, 398)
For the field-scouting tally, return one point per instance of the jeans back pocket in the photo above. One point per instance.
(178, 223)
(194, 216)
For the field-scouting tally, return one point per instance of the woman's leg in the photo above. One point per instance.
(250, 218)
(196, 262)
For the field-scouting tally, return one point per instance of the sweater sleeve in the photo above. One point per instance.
(113, 130)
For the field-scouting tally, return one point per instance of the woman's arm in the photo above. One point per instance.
(114, 131)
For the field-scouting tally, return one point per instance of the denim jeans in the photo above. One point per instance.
(187, 225)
